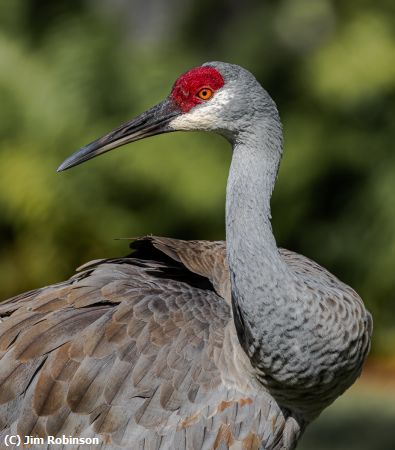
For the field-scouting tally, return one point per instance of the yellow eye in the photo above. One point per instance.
(205, 93)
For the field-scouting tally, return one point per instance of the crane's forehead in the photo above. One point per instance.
(186, 85)
(200, 76)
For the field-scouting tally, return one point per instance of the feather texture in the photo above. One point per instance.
(133, 350)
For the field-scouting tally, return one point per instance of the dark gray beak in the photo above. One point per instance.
(154, 121)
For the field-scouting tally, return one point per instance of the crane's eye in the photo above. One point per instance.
(205, 93)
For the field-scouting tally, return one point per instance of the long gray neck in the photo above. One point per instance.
(260, 280)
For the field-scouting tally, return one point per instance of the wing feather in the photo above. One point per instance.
(129, 350)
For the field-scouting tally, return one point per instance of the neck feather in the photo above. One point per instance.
(260, 280)
(250, 240)
(298, 342)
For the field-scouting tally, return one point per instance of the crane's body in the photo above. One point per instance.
(188, 345)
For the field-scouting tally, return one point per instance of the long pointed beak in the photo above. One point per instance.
(154, 121)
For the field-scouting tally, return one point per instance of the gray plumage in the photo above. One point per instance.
(186, 344)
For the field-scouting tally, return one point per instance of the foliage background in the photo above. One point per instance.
(71, 71)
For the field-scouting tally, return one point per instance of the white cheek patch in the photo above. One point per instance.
(204, 116)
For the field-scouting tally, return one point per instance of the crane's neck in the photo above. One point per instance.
(260, 280)
(251, 180)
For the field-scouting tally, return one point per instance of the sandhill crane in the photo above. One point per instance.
(186, 344)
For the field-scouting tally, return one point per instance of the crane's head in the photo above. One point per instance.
(216, 96)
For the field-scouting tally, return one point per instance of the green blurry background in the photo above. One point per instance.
(71, 71)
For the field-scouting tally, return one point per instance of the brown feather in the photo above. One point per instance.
(136, 350)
